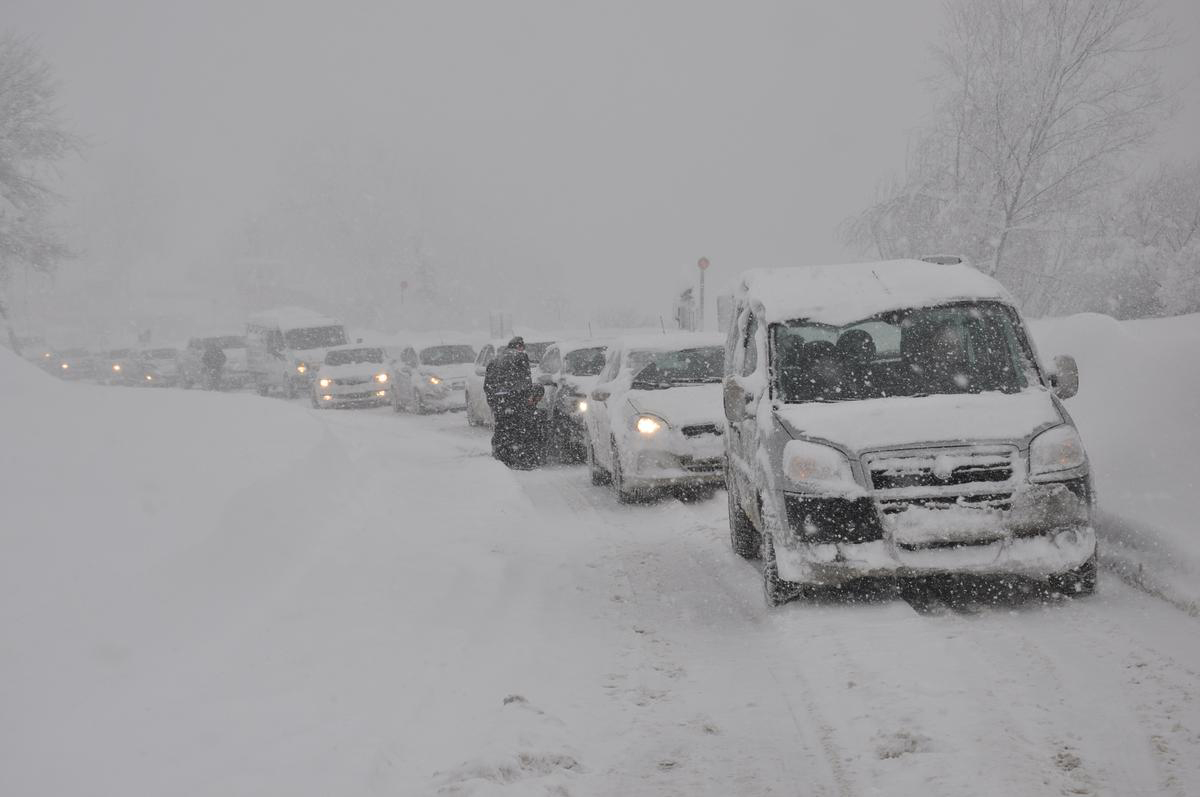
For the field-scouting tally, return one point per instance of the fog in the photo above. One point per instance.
(557, 160)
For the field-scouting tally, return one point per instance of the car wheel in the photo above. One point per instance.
(289, 389)
(775, 590)
(313, 398)
(743, 537)
(1077, 582)
(471, 419)
(624, 496)
(263, 390)
(418, 404)
(395, 400)
(599, 475)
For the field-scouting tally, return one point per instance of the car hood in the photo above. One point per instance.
(351, 369)
(456, 371)
(581, 385)
(898, 421)
(684, 405)
(309, 356)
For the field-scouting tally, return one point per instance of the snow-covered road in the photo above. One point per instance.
(394, 613)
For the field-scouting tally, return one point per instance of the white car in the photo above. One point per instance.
(655, 418)
(568, 371)
(478, 411)
(431, 377)
(354, 375)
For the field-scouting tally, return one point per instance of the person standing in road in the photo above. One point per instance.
(512, 397)
(213, 361)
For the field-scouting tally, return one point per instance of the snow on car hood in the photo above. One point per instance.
(309, 356)
(351, 369)
(884, 422)
(683, 405)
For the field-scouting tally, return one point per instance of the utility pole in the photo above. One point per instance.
(702, 264)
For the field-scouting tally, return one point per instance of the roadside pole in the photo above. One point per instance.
(702, 264)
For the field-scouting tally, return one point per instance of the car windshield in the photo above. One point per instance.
(447, 355)
(315, 337)
(352, 356)
(161, 354)
(224, 342)
(535, 351)
(116, 353)
(960, 348)
(584, 362)
(682, 367)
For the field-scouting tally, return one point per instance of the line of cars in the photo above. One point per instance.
(149, 366)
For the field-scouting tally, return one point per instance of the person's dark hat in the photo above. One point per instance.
(517, 342)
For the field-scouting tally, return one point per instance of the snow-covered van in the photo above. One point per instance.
(283, 347)
(893, 418)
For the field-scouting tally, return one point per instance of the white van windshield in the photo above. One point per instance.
(447, 355)
(960, 348)
(315, 337)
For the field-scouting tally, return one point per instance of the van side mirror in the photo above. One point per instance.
(736, 400)
(480, 371)
(1064, 379)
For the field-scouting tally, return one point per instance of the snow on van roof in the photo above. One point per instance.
(671, 341)
(292, 318)
(842, 294)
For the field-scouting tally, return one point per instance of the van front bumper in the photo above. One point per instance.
(1051, 553)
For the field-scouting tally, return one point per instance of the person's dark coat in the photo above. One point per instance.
(213, 358)
(512, 396)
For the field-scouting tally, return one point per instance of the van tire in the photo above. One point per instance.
(617, 480)
(395, 400)
(599, 475)
(743, 537)
(776, 591)
(263, 390)
(1078, 582)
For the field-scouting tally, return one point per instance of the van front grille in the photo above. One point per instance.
(977, 477)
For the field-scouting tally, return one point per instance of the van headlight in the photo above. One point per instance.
(581, 405)
(435, 380)
(1055, 453)
(649, 425)
(815, 468)
(301, 368)
(381, 378)
(325, 382)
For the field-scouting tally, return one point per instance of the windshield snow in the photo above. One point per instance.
(961, 348)
(315, 337)
(447, 355)
(352, 356)
(584, 362)
(685, 366)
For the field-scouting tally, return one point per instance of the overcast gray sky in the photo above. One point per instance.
(613, 143)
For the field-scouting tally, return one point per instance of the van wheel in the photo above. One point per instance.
(313, 398)
(1078, 582)
(263, 390)
(599, 475)
(395, 400)
(471, 419)
(289, 389)
(775, 590)
(743, 537)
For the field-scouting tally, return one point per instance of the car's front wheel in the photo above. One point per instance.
(624, 494)
(395, 399)
(743, 537)
(599, 475)
(1080, 581)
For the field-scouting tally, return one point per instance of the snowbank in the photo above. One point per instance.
(1138, 410)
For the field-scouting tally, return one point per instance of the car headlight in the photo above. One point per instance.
(381, 378)
(325, 382)
(812, 467)
(149, 378)
(1055, 452)
(116, 367)
(649, 425)
(581, 405)
(302, 368)
(65, 366)
(435, 380)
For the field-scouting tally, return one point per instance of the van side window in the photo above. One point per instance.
(409, 357)
(550, 362)
(749, 346)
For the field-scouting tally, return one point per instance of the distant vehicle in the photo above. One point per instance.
(568, 371)
(431, 377)
(353, 375)
(163, 364)
(654, 418)
(283, 345)
(893, 419)
(73, 364)
(234, 373)
(478, 411)
(125, 367)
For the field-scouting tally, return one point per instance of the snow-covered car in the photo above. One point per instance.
(654, 415)
(283, 345)
(893, 419)
(431, 377)
(125, 367)
(162, 364)
(73, 364)
(353, 375)
(568, 371)
(235, 373)
(478, 411)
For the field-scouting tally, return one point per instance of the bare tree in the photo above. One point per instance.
(32, 142)
(1037, 102)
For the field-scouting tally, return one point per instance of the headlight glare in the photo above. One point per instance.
(1055, 451)
(325, 382)
(581, 405)
(381, 378)
(816, 468)
(433, 380)
(116, 366)
(302, 368)
(648, 424)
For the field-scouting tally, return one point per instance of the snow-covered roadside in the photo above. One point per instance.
(1138, 410)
